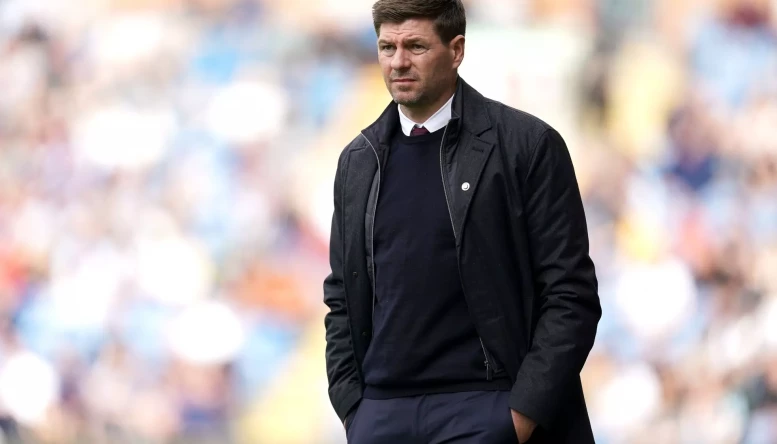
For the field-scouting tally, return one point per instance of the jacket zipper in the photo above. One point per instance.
(372, 234)
(453, 225)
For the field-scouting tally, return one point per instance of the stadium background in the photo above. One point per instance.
(166, 170)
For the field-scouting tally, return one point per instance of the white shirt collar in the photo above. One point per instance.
(434, 123)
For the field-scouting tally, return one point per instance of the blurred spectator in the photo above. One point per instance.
(165, 197)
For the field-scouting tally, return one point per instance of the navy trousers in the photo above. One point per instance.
(448, 418)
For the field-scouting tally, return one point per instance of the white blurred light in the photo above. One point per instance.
(499, 12)
(734, 346)
(313, 182)
(246, 112)
(33, 227)
(128, 38)
(656, 299)
(768, 318)
(25, 69)
(252, 215)
(29, 386)
(120, 136)
(206, 333)
(346, 14)
(84, 292)
(173, 269)
(629, 400)
(528, 79)
(304, 14)
(323, 208)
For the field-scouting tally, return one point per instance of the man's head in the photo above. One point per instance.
(420, 48)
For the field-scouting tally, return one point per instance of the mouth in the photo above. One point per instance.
(403, 80)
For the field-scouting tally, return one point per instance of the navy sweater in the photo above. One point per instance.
(423, 341)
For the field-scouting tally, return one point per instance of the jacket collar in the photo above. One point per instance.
(469, 113)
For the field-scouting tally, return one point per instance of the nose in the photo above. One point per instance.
(401, 60)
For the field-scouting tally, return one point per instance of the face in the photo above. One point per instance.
(417, 66)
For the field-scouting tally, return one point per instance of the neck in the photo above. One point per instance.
(420, 114)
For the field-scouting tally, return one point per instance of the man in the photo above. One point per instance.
(463, 301)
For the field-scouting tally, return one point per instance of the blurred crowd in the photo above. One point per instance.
(166, 172)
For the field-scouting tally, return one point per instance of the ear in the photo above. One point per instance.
(456, 46)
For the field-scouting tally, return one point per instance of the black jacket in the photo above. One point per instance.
(522, 245)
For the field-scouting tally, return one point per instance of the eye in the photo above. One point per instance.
(417, 48)
(387, 48)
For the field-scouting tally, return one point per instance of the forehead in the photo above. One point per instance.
(409, 29)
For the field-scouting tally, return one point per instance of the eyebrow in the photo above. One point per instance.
(406, 42)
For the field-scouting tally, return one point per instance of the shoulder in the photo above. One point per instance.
(356, 144)
(523, 134)
(517, 122)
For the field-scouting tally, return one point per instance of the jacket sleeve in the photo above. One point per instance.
(344, 383)
(567, 308)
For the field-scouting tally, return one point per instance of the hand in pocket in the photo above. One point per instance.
(524, 427)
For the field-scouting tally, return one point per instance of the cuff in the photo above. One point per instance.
(347, 403)
(538, 412)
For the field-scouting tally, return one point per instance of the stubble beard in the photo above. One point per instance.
(410, 99)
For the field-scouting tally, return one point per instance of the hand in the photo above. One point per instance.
(524, 427)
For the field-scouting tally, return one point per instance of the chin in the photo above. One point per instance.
(405, 98)
(405, 102)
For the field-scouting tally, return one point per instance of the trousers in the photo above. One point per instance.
(446, 418)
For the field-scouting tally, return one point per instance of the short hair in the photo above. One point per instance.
(449, 17)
